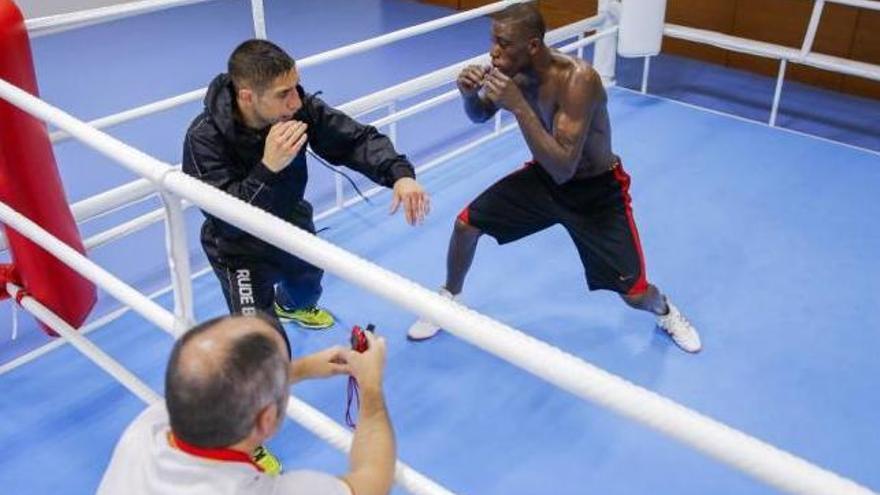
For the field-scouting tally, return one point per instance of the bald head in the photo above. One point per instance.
(205, 348)
(221, 374)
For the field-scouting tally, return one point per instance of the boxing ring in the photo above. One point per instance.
(559, 367)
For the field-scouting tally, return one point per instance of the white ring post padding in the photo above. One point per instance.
(754, 457)
(641, 28)
(86, 267)
(42, 26)
(85, 346)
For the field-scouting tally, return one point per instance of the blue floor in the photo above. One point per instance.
(846, 118)
(760, 235)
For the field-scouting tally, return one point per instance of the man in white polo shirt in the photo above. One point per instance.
(226, 392)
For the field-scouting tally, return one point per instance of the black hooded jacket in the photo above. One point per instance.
(223, 152)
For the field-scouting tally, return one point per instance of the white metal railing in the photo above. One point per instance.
(259, 17)
(405, 33)
(88, 328)
(42, 26)
(136, 113)
(864, 4)
(85, 346)
(105, 203)
(803, 55)
(754, 457)
(88, 269)
(178, 258)
(770, 50)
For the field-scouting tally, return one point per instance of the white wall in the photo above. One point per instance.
(42, 8)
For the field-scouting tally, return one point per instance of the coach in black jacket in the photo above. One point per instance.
(250, 142)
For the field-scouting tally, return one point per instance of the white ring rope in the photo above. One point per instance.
(85, 346)
(105, 203)
(42, 26)
(88, 328)
(86, 267)
(405, 33)
(761, 460)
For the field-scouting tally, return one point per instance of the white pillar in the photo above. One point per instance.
(178, 261)
(605, 52)
(259, 16)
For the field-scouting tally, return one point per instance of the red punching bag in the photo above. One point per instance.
(30, 184)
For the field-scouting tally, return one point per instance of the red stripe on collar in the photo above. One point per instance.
(216, 454)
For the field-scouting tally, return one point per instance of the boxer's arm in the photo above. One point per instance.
(478, 109)
(560, 152)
